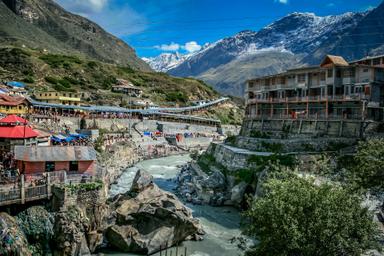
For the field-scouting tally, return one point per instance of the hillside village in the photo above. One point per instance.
(100, 154)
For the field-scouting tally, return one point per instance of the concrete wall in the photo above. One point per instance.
(295, 145)
(298, 128)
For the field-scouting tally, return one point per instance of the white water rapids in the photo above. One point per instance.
(220, 223)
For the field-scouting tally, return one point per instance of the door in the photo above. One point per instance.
(74, 166)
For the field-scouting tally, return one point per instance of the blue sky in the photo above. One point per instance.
(156, 26)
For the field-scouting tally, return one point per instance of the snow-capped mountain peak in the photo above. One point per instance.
(165, 61)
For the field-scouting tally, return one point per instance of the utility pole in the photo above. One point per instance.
(129, 114)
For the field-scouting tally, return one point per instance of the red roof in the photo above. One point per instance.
(17, 132)
(13, 119)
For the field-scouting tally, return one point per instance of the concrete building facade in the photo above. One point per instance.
(335, 89)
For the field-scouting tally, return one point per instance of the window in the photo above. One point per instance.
(322, 76)
(376, 61)
(301, 78)
(49, 166)
(73, 166)
(330, 72)
(365, 70)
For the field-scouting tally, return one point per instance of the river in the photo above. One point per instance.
(220, 224)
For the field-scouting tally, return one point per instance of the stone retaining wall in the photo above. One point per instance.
(304, 128)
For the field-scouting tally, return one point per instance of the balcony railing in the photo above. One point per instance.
(38, 186)
(352, 97)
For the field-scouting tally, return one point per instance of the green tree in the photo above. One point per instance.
(296, 217)
(368, 169)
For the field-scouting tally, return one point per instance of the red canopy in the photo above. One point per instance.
(17, 132)
(13, 119)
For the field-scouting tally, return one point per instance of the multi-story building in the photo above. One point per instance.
(13, 105)
(335, 89)
(65, 98)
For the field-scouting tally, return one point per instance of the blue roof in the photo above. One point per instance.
(16, 84)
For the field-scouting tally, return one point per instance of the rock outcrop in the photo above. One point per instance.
(147, 219)
(196, 187)
(80, 222)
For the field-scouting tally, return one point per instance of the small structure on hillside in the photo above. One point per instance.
(15, 130)
(126, 87)
(72, 159)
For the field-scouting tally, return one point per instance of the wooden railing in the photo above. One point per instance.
(34, 187)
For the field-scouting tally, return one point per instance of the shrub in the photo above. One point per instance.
(176, 97)
(296, 217)
(56, 61)
(51, 80)
(29, 80)
(368, 169)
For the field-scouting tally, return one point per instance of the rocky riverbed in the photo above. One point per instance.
(221, 224)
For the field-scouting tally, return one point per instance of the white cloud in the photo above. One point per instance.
(281, 1)
(172, 47)
(192, 46)
(84, 6)
(120, 20)
(189, 47)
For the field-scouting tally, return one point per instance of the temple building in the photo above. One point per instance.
(14, 131)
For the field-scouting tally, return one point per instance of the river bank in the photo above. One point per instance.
(220, 224)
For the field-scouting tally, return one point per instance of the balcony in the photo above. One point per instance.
(317, 98)
(349, 80)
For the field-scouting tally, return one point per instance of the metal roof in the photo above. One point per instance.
(54, 153)
(153, 111)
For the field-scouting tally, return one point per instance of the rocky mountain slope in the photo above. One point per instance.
(295, 40)
(44, 25)
(43, 71)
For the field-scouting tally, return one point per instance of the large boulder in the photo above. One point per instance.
(216, 181)
(148, 219)
(237, 193)
(12, 238)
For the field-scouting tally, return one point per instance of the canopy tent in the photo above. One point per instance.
(62, 138)
(78, 136)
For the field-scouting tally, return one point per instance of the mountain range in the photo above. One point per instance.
(44, 25)
(299, 39)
